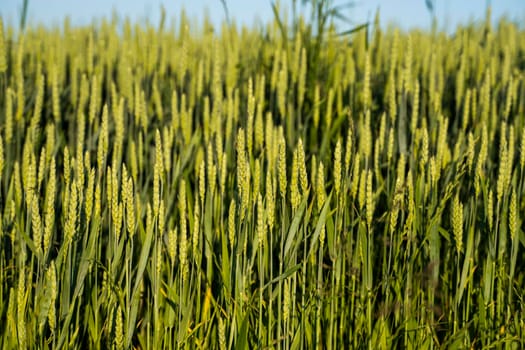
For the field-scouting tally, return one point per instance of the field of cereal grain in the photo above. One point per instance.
(184, 188)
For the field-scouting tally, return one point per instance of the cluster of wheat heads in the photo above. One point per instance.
(184, 187)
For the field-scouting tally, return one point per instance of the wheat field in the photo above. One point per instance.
(183, 186)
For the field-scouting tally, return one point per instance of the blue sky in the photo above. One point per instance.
(406, 13)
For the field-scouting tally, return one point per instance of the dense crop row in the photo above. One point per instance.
(179, 188)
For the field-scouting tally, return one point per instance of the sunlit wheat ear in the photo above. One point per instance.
(275, 69)
(8, 115)
(508, 80)
(286, 302)
(369, 199)
(251, 117)
(71, 220)
(502, 168)
(3, 51)
(161, 219)
(466, 109)
(186, 122)
(281, 168)
(471, 150)
(390, 145)
(21, 306)
(514, 220)
(433, 172)
(172, 244)
(407, 72)
(485, 96)
(261, 224)
(256, 178)
(457, 223)
(316, 106)
(337, 166)
(366, 83)
(196, 228)
(473, 109)
(55, 93)
(510, 159)
(222, 334)
(141, 109)
(175, 117)
(295, 196)
(49, 209)
(366, 137)
(380, 139)
(415, 106)
(93, 99)
(483, 152)
(259, 128)
(423, 160)
(119, 330)
(458, 147)
(270, 202)
(157, 173)
(224, 174)
(522, 150)
(269, 142)
(183, 256)
(37, 227)
(35, 121)
(157, 100)
(320, 187)
(260, 91)
(19, 79)
(460, 79)
(235, 106)
(411, 203)
(2, 158)
(219, 150)
(302, 78)
(182, 210)
(362, 189)
(231, 223)
(84, 93)
(17, 183)
(28, 172)
(282, 86)
(355, 176)
(441, 146)
(89, 193)
(329, 107)
(202, 181)
(11, 312)
(109, 187)
(391, 91)
(116, 215)
(41, 165)
(515, 88)
(396, 204)
(243, 172)
(103, 142)
(401, 169)
(394, 50)
(348, 151)
(97, 207)
(119, 131)
(89, 53)
(51, 278)
(303, 176)
(212, 169)
(79, 171)
(50, 142)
